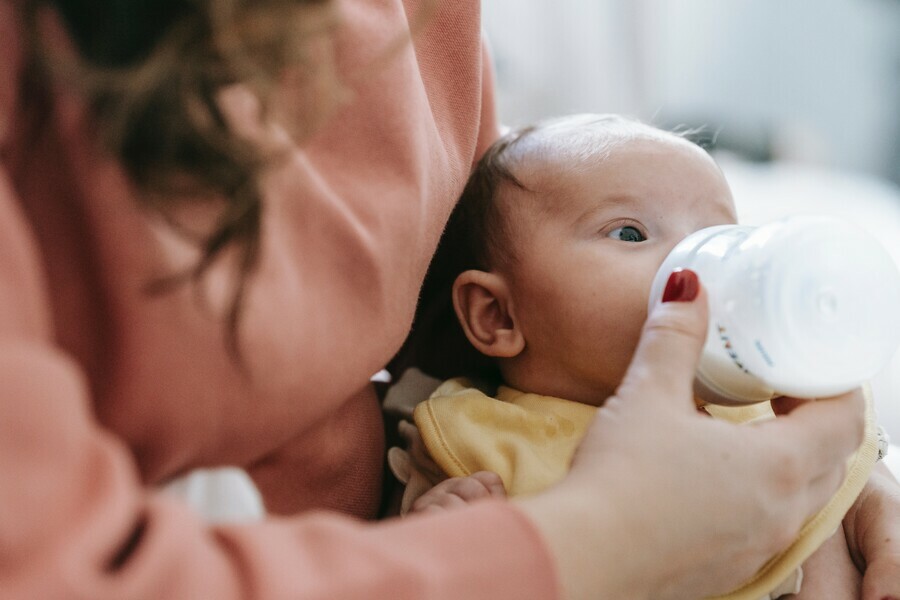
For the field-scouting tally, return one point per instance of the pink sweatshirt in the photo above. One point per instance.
(105, 392)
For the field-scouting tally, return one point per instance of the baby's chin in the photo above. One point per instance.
(561, 387)
(592, 396)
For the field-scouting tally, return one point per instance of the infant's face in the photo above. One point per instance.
(587, 257)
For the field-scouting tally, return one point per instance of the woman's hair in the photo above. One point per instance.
(152, 72)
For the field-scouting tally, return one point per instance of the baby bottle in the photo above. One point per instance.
(804, 306)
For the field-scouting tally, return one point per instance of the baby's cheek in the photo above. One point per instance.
(625, 339)
(607, 359)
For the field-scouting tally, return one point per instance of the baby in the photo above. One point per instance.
(547, 261)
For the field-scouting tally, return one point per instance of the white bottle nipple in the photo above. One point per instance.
(803, 306)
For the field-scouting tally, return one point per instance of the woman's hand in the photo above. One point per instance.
(873, 535)
(662, 502)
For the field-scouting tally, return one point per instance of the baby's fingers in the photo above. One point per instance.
(491, 482)
(459, 491)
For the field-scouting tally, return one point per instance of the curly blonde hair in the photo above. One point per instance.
(152, 72)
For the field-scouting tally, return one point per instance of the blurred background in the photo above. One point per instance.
(799, 100)
(787, 79)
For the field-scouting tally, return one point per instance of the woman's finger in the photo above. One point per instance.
(818, 435)
(822, 489)
(666, 358)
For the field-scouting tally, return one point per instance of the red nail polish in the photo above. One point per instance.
(683, 286)
(889, 598)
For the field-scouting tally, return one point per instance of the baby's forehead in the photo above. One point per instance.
(547, 158)
(561, 145)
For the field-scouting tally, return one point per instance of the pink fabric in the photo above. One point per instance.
(105, 392)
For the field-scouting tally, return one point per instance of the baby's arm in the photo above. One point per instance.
(873, 534)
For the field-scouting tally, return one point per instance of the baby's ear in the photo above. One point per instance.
(484, 307)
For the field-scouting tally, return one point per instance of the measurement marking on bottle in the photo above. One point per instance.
(763, 353)
(726, 342)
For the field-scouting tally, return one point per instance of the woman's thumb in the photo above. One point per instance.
(669, 349)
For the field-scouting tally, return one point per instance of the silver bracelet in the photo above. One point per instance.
(884, 442)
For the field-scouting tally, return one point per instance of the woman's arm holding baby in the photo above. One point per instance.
(872, 530)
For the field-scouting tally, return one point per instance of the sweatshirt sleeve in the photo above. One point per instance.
(489, 129)
(11, 63)
(76, 522)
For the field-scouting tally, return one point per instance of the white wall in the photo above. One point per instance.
(824, 75)
(561, 57)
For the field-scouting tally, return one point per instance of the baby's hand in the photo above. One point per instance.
(459, 491)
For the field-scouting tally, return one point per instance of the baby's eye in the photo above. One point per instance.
(627, 234)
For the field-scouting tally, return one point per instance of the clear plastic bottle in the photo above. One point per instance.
(804, 306)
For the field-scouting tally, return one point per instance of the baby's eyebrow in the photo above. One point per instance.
(608, 202)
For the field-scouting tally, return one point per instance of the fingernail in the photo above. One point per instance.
(683, 286)
(889, 598)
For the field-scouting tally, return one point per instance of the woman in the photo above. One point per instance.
(209, 244)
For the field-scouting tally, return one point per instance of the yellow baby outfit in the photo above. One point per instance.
(529, 441)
